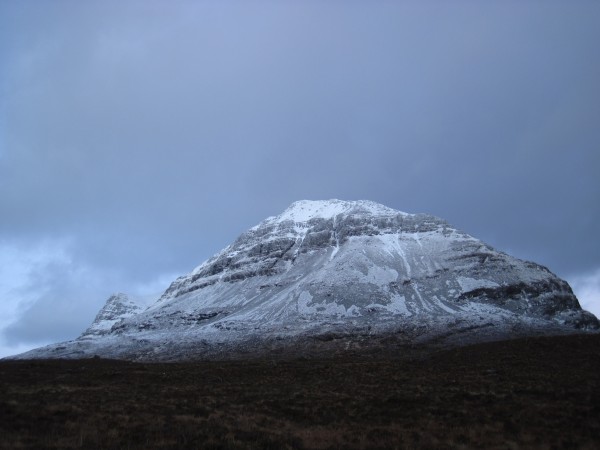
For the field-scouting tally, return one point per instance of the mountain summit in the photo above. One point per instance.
(336, 275)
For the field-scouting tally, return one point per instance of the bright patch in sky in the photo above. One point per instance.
(587, 290)
(23, 280)
(21, 269)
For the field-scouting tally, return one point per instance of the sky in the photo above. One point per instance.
(138, 138)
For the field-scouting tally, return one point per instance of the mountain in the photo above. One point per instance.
(336, 276)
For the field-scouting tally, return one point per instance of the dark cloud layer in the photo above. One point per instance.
(147, 135)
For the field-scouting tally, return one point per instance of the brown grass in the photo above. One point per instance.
(535, 393)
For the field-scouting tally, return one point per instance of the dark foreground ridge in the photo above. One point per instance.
(539, 392)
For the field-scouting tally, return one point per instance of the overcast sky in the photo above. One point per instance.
(139, 138)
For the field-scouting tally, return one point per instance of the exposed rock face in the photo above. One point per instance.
(336, 268)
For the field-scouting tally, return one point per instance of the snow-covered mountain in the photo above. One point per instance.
(339, 272)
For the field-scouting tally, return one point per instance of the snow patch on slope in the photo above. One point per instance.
(470, 284)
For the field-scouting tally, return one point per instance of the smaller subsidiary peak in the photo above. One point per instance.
(117, 307)
(137, 301)
(305, 210)
(119, 298)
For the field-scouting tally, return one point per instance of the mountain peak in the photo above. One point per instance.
(305, 210)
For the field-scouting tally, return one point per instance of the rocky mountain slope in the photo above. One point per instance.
(337, 276)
